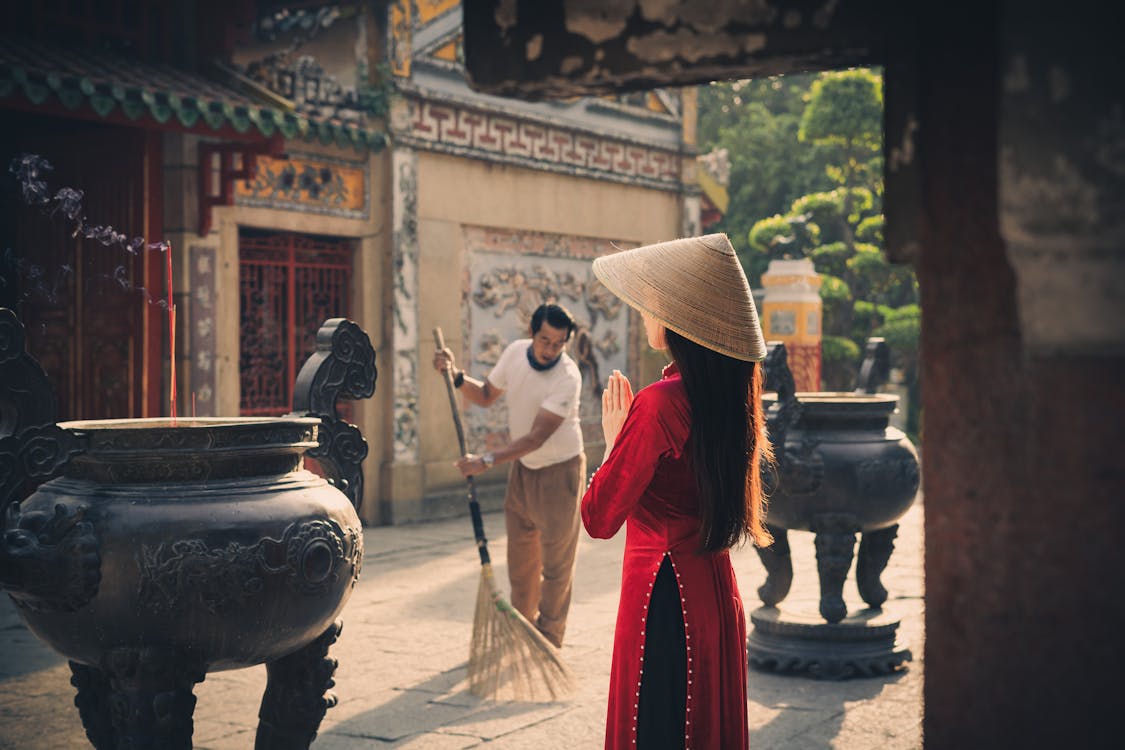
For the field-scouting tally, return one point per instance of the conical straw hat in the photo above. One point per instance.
(695, 287)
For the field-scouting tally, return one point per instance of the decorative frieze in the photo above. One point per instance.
(475, 132)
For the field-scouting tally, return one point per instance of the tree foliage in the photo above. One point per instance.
(845, 114)
(757, 122)
(806, 180)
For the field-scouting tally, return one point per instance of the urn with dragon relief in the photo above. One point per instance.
(841, 472)
(172, 548)
(212, 537)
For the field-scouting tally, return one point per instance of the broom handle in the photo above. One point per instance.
(474, 506)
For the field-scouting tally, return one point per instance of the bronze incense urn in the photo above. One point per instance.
(841, 473)
(168, 550)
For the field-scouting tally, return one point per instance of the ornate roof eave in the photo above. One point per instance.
(199, 106)
(717, 194)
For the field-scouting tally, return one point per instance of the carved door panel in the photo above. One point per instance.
(83, 302)
(111, 301)
(289, 285)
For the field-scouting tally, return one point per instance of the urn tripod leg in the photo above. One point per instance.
(93, 703)
(779, 567)
(151, 700)
(875, 550)
(297, 696)
(835, 547)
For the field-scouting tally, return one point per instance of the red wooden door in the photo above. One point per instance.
(289, 285)
(84, 303)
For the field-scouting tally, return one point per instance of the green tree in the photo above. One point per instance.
(834, 132)
(845, 115)
(757, 121)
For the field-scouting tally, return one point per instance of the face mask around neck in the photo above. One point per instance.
(535, 363)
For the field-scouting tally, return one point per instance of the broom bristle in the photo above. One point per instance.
(508, 657)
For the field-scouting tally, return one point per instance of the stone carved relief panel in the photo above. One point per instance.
(507, 275)
(405, 328)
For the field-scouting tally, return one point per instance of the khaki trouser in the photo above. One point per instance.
(542, 517)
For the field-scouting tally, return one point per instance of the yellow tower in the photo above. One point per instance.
(791, 312)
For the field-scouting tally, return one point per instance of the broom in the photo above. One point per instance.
(508, 656)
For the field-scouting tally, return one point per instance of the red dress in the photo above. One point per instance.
(647, 482)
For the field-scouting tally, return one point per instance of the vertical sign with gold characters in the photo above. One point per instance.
(791, 313)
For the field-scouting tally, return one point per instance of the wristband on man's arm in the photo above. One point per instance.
(459, 379)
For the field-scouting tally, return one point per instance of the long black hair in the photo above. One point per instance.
(727, 442)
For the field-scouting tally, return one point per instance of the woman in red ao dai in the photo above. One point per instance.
(682, 473)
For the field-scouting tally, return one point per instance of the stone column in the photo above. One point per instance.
(404, 475)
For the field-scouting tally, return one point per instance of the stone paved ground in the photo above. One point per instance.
(401, 679)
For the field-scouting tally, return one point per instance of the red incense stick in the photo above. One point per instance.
(171, 336)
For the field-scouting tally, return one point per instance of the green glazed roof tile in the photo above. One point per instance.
(133, 107)
(187, 117)
(37, 93)
(71, 98)
(102, 104)
(41, 72)
(240, 118)
(160, 112)
(214, 118)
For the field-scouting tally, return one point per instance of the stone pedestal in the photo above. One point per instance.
(863, 644)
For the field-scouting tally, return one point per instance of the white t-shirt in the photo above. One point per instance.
(528, 390)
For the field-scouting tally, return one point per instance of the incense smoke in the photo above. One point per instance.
(30, 171)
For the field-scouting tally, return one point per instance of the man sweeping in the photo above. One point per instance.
(545, 481)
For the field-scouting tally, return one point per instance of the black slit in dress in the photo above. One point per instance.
(662, 705)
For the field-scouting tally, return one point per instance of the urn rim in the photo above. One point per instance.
(180, 423)
(156, 449)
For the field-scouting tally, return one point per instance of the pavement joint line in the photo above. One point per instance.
(483, 738)
(490, 738)
(391, 554)
(365, 736)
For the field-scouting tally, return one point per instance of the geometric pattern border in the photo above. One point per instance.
(478, 133)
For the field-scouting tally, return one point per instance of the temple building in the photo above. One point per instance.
(314, 160)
